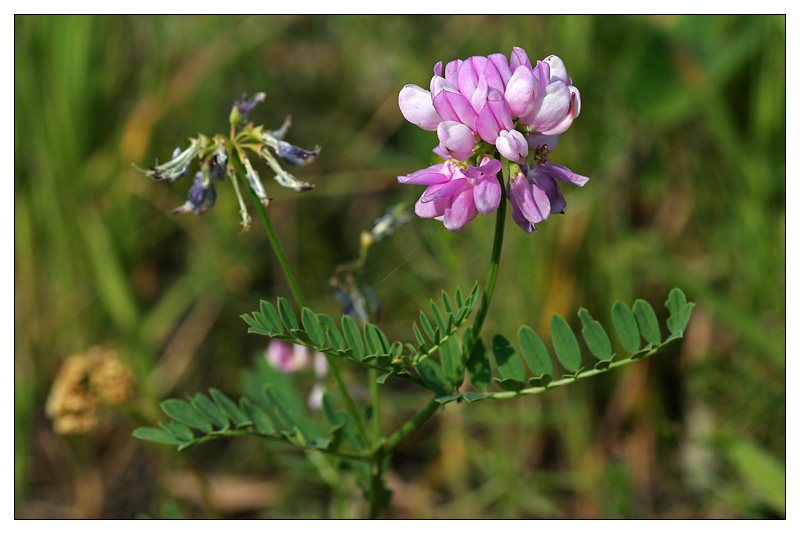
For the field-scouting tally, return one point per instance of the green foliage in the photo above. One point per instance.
(510, 364)
(370, 347)
(270, 417)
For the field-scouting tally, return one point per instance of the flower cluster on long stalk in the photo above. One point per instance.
(214, 154)
(482, 106)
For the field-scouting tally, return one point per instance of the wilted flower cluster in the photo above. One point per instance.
(487, 105)
(83, 381)
(290, 358)
(215, 154)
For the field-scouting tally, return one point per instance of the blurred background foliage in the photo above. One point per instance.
(682, 131)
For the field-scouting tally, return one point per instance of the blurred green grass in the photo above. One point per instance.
(682, 131)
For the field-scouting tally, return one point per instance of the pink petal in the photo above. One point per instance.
(553, 108)
(493, 76)
(501, 62)
(456, 138)
(487, 194)
(461, 211)
(431, 210)
(519, 57)
(417, 107)
(446, 190)
(558, 71)
(553, 192)
(520, 93)
(480, 95)
(451, 71)
(560, 172)
(437, 69)
(454, 107)
(430, 176)
(468, 74)
(494, 117)
(512, 145)
(439, 84)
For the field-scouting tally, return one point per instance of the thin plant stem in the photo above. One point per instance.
(375, 396)
(430, 408)
(494, 266)
(299, 298)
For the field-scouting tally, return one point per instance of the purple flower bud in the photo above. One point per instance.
(201, 198)
(294, 156)
(246, 106)
(178, 166)
(281, 132)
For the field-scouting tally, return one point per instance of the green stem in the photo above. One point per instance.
(429, 409)
(375, 395)
(297, 293)
(412, 424)
(294, 287)
(377, 493)
(494, 267)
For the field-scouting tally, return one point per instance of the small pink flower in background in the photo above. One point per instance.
(315, 397)
(287, 357)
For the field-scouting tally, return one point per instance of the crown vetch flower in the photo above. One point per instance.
(483, 104)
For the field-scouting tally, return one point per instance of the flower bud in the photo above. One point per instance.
(201, 198)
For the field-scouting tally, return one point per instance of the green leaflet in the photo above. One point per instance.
(271, 317)
(353, 336)
(567, 350)
(230, 408)
(287, 315)
(478, 366)
(313, 327)
(334, 336)
(451, 357)
(212, 412)
(595, 336)
(647, 321)
(260, 419)
(508, 363)
(433, 376)
(156, 435)
(185, 413)
(680, 311)
(625, 324)
(534, 352)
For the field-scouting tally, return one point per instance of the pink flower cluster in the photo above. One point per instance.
(485, 105)
(290, 358)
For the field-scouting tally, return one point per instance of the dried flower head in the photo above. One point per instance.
(83, 381)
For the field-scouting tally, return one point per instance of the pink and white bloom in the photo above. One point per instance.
(456, 196)
(287, 357)
(507, 102)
